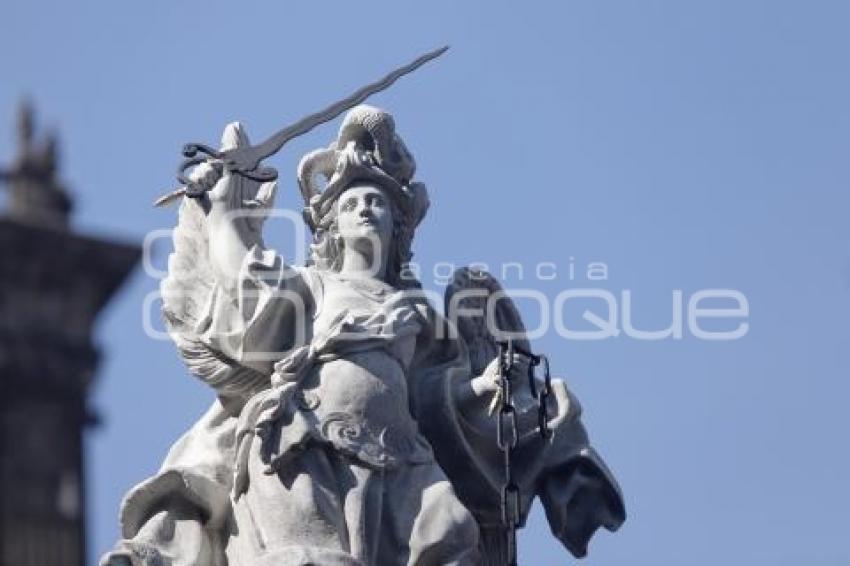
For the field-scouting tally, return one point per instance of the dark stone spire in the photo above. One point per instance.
(53, 284)
(36, 194)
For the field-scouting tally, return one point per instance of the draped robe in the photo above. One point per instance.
(290, 474)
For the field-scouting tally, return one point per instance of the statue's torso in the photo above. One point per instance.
(364, 336)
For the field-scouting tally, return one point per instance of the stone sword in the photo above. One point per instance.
(245, 160)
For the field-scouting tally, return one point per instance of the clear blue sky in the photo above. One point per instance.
(686, 145)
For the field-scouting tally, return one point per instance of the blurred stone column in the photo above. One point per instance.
(53, 283)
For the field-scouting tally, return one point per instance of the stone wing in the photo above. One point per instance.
(188, 289)
(467, 300)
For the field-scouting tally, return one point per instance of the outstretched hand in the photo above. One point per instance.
(489, 382)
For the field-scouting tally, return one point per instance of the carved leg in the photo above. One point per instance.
(297, 510)
(430, 525)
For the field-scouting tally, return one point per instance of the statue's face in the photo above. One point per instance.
(365, 219)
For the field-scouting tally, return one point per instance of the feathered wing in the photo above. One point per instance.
(471, 291)
(190, 286)
(577, 490)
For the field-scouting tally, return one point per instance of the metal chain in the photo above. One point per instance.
(543, 395)
(510, 495)
(510, 499)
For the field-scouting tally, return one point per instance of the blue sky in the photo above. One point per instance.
(686, 145)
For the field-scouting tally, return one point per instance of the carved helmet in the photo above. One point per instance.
(367, 149)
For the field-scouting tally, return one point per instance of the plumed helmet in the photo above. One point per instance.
(367, 149)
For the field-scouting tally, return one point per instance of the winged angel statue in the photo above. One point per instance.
(352, 423)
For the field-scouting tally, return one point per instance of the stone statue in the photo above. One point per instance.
(353, 424)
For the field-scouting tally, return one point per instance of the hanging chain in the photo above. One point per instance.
(510, 502)
(543, 395)
(507, 433)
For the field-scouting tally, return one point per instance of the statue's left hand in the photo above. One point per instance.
(489, 382)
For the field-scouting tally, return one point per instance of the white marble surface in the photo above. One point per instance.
(351, 427)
